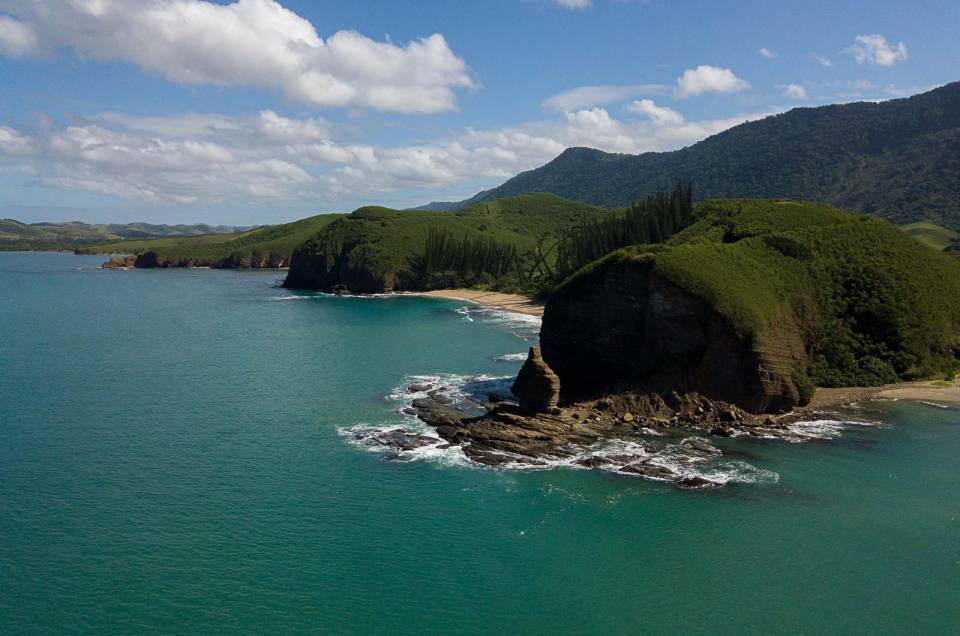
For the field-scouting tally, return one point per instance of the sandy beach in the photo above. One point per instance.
(934, 391)
(506, 302)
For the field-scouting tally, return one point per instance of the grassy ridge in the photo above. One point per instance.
(873, 305)
(376, 248)
(932, 235)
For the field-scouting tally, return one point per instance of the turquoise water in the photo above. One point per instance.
(170, 462)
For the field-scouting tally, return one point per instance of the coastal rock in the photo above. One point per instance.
(537, 386)
(655, 336)
(120, 262)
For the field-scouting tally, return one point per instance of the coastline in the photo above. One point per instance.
(515, 303)
(922, 391)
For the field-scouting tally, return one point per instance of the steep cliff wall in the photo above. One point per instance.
(625, 326)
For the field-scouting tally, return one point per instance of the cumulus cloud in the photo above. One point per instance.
(16, 38)
(588, 96)
(244, 43)
(795, 91)
(660, 114)
(708, 79)
(206, 158)
(767, 53)
(874, 49)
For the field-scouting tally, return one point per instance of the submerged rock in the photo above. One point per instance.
(537, 386)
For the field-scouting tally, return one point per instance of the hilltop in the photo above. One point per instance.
(377, 249)
(898, 160)
(755, 304)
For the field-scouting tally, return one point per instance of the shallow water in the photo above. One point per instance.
(172, 460)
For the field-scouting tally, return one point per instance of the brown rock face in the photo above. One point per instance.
(537, 386)
(629, 328)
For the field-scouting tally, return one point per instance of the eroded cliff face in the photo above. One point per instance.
(151, 260)
(330, 270)
(625, 327)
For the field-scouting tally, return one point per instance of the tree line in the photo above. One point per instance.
(449, 261)
(653, 220)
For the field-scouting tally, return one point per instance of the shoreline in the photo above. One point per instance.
(515, 303)
(935, 391)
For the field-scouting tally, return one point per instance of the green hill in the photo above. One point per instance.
(263, 247)
(377, 249)
(898, 160)
(756, 303)
(15, 235)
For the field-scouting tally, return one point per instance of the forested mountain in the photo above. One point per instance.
(898, 160)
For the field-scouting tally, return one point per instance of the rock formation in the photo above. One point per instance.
(537, 386)
(626, 327)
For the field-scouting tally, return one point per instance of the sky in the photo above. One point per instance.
(264, 111)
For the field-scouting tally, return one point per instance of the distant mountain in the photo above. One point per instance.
(15, 235)
(898, 160)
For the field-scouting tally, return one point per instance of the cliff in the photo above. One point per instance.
(754, 305)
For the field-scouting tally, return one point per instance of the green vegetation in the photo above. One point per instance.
(263, 247)
(932, 235)
(15, 235)
(896, 160)
(374, 249)
(871, 304)
(653, 220)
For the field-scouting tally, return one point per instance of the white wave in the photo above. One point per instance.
(512, 357)
(463, 391)
(947, 407)
(366, 437)
(523, 326)
(825, 429)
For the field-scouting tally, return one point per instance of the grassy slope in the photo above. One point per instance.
(932, 235)
(860, 290)
(219, 250)
(383, 241)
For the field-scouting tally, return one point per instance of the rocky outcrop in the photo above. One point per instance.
(632, 434)
(626, 327)
(537, 386)
(120, 262)
(329, 269)
(153, 260)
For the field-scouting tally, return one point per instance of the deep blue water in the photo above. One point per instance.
(171, 462)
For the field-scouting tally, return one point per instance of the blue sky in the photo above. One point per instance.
(262, 111)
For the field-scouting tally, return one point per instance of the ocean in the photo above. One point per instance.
(181, 451)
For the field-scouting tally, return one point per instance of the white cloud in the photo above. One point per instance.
(573, 4)
(205, 158)
(767, 53)
(16, 38)
(708, 79)
(825, 62)
(13, 143)
(659, 114)
(795, 91)
(874, 49)
(588, 96)
(248, 43)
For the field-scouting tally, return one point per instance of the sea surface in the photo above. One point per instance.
(178, 454)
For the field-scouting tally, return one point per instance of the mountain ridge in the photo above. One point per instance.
(898, 160)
